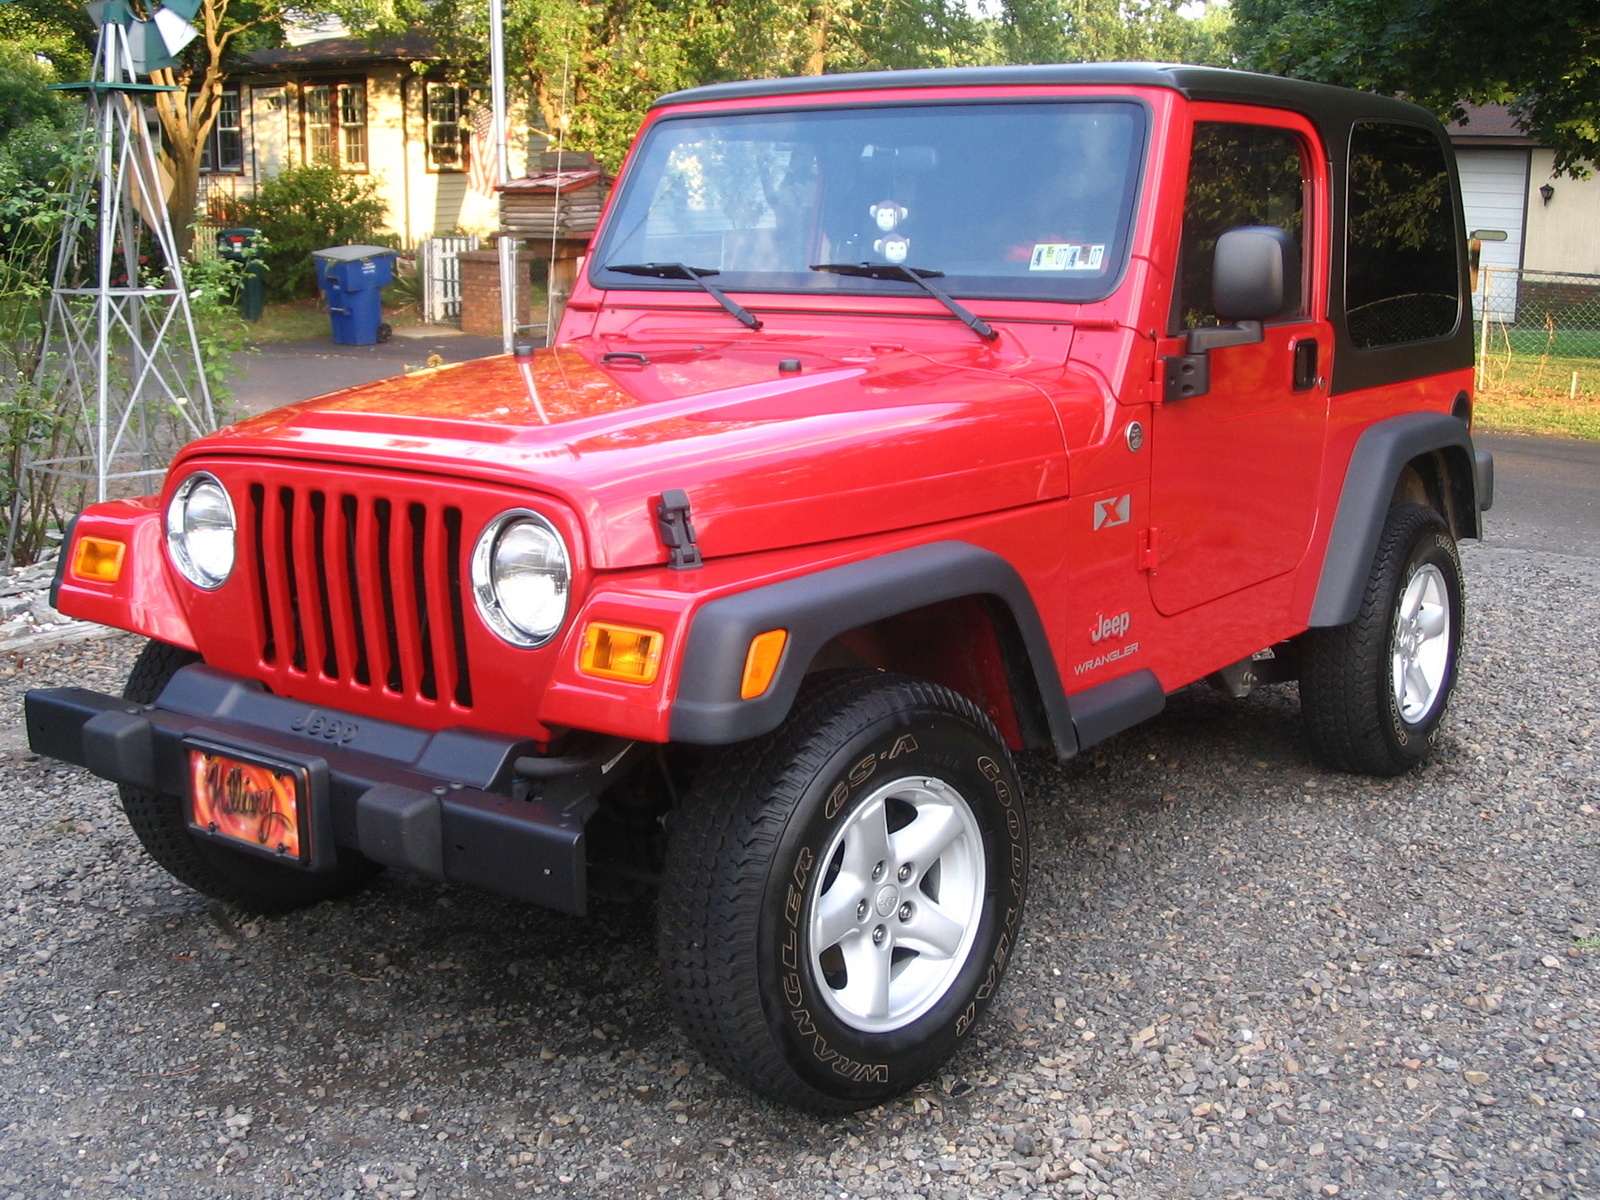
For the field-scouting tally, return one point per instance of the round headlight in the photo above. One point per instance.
(521, 577)
(200, 529)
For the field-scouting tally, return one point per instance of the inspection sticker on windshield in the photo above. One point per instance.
(1066, 256)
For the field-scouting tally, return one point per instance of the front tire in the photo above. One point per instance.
(1374, 692)
(242, 880)
(841, 896)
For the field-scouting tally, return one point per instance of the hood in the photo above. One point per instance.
(776, 442)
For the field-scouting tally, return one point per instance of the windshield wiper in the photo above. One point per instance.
(673, 270)
(920, 277)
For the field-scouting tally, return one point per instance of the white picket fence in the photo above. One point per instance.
(441, 277)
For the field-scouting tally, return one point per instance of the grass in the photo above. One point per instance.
(298, 320)
(1530, 412)
(292, 321)
(1537, 390)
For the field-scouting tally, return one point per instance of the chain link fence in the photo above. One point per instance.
(1538, 334)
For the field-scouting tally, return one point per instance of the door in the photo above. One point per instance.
(1234, 470)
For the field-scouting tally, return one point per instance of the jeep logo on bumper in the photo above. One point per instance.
(330, 729)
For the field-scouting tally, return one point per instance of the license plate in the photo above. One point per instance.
(253, 803)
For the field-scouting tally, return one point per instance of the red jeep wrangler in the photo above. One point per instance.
(898, 422)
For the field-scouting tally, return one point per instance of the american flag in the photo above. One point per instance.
(483, 172)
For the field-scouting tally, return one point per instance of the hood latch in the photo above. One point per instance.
(677, 530)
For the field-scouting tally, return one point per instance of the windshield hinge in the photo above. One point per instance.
(1185, 376)
(677, 530)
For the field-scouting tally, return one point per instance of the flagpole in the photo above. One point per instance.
(497, 99)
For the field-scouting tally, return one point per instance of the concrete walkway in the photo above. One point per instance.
(277, 373)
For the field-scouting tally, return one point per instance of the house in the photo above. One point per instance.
(380, 109)
(1509, 185)
(1534, 235)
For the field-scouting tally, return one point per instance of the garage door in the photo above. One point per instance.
(1494, 187)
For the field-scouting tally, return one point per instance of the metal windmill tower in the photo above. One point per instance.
(120, 341)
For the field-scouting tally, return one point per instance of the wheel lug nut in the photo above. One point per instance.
(877, 873)
(878, 935)
(861, 910)
(905, 911)
(905, 872)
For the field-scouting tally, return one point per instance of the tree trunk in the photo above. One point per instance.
(817, 37)
(184, 163)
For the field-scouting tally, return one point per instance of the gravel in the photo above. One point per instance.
(1242, 977)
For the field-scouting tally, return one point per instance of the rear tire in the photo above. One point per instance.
(242, 880)
(841, 896)
(1373, 692)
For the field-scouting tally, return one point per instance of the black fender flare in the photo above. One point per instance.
(818, 607)
(1380, 455)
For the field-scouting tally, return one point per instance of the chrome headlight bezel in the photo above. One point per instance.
(176, 520)
(526, 631)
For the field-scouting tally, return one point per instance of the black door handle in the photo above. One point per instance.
(1305, 364)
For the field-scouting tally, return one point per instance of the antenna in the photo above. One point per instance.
(120, 341)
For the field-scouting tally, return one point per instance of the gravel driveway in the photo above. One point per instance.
(1241, 977)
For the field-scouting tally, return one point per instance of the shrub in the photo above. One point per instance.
(37, 157)
(305, 209)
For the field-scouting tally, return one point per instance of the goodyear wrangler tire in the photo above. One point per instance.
(1373, 692)
(239, 879)
(841, 895)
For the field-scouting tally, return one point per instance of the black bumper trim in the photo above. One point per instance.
(387, 799)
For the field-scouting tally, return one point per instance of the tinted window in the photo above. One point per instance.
(1238, 175)
(1400, 276)
(1010, 199)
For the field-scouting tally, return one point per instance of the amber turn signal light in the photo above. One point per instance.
(98, 559)
(761, 662)
(620, 652)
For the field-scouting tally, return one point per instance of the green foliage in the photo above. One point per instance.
(1111, 31)
(59, 31)
(406, 290)
(213, 285)
(592, 69)
(1540, 56)
(305, 209)
(37, 158)
(24, 99)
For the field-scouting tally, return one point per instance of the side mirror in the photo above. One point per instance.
(1256, 274)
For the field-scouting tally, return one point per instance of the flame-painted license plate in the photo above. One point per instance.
(252, 803)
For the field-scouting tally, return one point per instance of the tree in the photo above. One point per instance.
(189, 113)
(1111, 31)
(58, 32)
(61, 31)
(592, 67)
(1542, 57)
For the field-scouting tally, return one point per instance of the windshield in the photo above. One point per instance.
(1009, 200)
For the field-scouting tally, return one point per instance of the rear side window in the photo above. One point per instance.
(1400, 272)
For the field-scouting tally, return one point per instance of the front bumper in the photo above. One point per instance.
(439, 804)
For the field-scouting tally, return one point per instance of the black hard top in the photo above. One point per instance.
(1318, 100)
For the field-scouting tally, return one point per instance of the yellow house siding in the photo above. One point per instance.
(420, 202)
(1563, 235)
(386, 142)
(441, 201)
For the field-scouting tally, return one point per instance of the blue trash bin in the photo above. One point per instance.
(350, 278)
